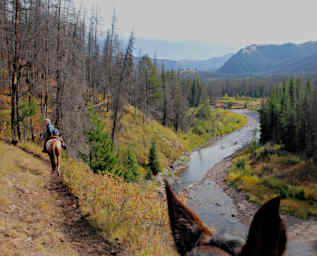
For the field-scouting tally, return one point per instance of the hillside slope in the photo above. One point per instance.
(210, 65)
(286, 58)
(38, 215)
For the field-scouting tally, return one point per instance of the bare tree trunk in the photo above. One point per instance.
(17, 100)
(13, 105)
(59, 91)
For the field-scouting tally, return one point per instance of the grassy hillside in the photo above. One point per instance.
(268, 171)
(133, 213)
(32, 217)
(170, 144)
(138, 132)
(139, 135)
(268, 59)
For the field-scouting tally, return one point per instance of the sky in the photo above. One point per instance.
(237, 23)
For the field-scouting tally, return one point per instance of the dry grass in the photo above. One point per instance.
(239, 102)
(27, 211)
(170, 145)
(139, 135)
(277, 174)
(133, 213)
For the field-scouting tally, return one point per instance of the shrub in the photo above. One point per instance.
(300, 195)
(292, 160)
(284, 193)
(133, 213)
(204, 111)
(241, 164)
(229, 105)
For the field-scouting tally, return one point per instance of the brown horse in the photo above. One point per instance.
(267, 233)
(54, 149)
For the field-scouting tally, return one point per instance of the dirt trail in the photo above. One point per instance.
(38, 214)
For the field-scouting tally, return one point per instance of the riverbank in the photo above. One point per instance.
(225, 208)
(228, 210)
(298, 229)
(206, 197)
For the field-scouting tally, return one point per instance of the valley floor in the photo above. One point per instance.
(38, 214)
(302, 234)
(299, 230)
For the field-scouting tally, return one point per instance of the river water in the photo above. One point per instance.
(207, 199)
(206, 157)
(220, 211)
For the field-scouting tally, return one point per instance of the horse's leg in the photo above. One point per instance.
(52, 162)
(58, 158)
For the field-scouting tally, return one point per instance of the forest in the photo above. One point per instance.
(51, 53)
(129, 123)
(288, 117)
(54, 64)
(125, 122)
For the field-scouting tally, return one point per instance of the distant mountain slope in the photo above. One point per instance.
(286, 58)
(211, 64)
(179, 50)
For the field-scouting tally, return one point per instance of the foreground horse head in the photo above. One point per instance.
(54, 150)
(267, 234)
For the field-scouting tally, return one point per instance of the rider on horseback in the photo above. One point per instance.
(51, 132)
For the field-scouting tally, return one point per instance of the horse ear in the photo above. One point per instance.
(187, 228)
(267, 234)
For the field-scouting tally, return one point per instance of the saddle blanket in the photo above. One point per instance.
(49, 143)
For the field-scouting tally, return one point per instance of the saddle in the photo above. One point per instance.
(56, 138)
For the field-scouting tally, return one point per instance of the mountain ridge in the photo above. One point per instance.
(272, 59)
(211, 64)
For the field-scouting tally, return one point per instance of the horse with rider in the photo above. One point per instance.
(53, 145)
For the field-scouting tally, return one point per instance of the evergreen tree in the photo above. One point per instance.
(154, 166)
(102, 155)
(289, 117)
(131, 171)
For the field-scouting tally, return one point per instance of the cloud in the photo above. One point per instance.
(234, 22)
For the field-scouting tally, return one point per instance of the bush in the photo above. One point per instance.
(292, 160)
(300, 195)
(198, 129)
(204, 111)
(229, 105)
(266, 151)
(241, 164)
(284, 193)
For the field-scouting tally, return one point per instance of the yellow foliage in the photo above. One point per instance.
(132, 213)
(250, 180)
(233, 177)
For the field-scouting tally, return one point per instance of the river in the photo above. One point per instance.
(207, 199)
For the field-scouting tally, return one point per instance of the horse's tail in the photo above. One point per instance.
(54, 153)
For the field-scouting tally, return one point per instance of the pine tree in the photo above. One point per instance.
(131, 171)
(102, 155)
(154, 165)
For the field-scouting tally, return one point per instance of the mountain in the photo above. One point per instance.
(272, 59)
(209, 65)
(180, 50)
